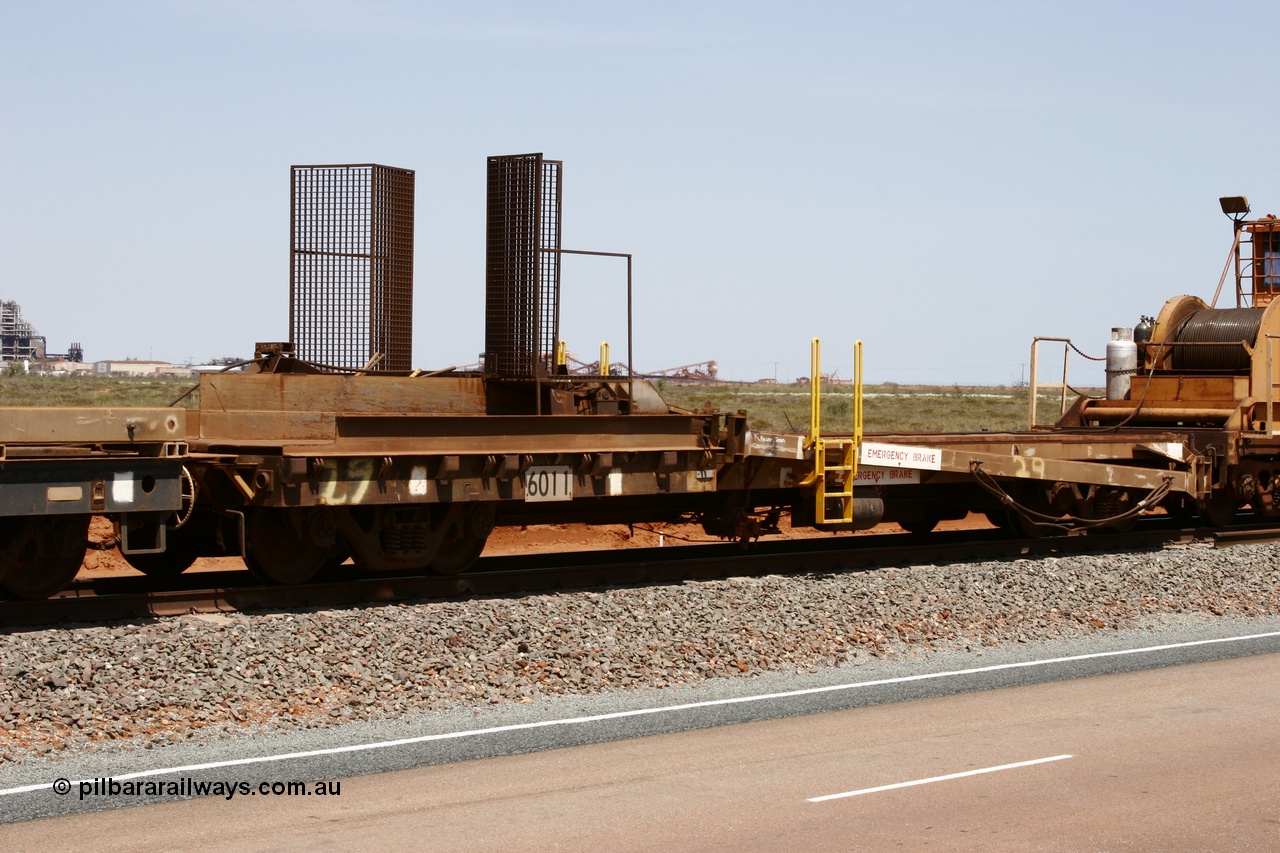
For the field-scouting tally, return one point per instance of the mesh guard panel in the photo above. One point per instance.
(351, 265)
(522, 269)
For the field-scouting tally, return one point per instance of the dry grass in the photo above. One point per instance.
(777, 408)
(36, 390)
(885, 408)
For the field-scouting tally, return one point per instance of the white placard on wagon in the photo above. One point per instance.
(900, 456)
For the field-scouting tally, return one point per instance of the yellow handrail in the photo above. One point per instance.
(857, 400)
(815, 391)
(834, 481)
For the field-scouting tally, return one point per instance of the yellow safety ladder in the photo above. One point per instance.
(835, 459)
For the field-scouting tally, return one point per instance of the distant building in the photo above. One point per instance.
(135, 367)
(19, 340)
(66, 367)
(175, 370)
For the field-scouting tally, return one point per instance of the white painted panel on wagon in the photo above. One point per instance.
(122, 488)
(64, 493)
(900, 456)
(775, 445)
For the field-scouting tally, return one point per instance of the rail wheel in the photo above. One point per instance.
(460, 549)
(456, 554)
(1219, 509)
(1180, 508)
(335, 567)
(278, 549)
(921, 524)
(49, 556)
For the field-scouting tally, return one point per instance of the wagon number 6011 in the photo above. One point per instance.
(548, 483)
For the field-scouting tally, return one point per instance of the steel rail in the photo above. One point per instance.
(127, 598)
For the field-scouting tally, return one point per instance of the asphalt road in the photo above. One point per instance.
(1165, 753)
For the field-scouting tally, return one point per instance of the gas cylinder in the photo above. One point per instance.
(1122, 363)
(1142, 331)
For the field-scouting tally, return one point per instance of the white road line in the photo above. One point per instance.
(948, 777)
(664, 709)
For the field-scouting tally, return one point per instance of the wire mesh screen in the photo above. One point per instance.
(522, 282)
(549, 263)
(351, 265)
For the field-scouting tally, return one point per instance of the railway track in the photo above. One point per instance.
(125, 598)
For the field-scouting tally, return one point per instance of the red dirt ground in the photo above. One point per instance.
(541, 538)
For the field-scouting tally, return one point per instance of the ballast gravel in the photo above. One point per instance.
(65, 691)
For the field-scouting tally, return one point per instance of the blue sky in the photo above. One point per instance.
(941, 180)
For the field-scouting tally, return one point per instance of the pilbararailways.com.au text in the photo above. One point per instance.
(188, 787)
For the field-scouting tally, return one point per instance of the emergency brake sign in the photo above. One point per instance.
(900, 456)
